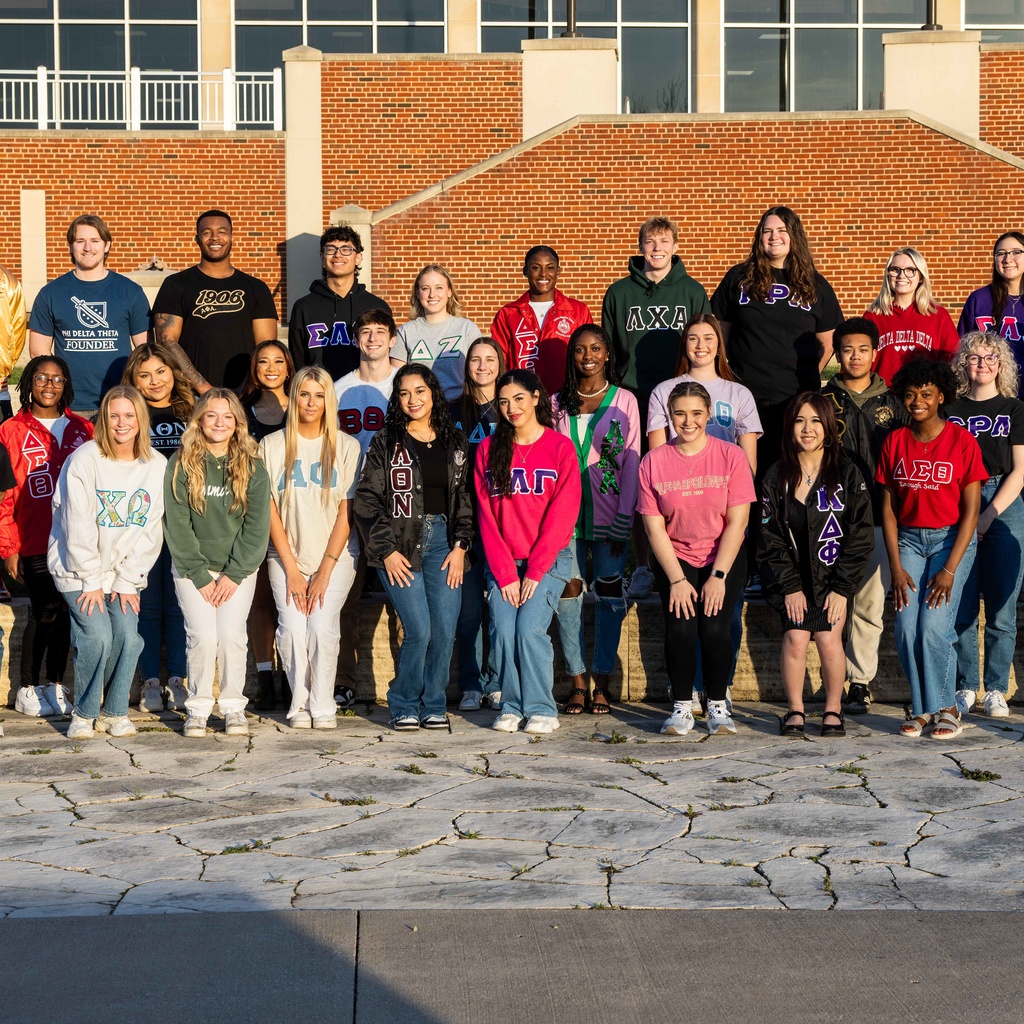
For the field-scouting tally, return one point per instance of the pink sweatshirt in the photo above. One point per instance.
(537, 520)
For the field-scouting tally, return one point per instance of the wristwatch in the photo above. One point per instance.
(718, 574)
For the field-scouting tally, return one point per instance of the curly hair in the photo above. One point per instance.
(569, 396)
(183, 398)
(923, 370)
(499, 463)
(831, 454)
(242, 456)
(923, 301)
(1006, 378)
(799, 269)
(722, 368)
(32, 368)
(441, 422)
(416, 307)
(1000, 290)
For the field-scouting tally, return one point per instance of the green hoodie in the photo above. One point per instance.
(220, 541)
(645, 320)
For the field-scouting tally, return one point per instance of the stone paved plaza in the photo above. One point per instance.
(604, 812)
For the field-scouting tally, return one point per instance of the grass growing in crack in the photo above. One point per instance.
(253, 844)
(535, 739)
(722, 807)
(691, 813)
(412, 769)
(346, 712)
(276, 878)
(468, 834)
(93, 775)
(979, 775)
(652, 775)
(519, 869)
(327, 750)
(615, 737)
(878, 842)
(137, 794)
(732, 778)
(626, 760)
(350, 801)
(82, 842)
(575, 807)
(609, 868)
(753, 883)
(606, 785)
(732, 862)
(77, 748)
(40, 750)
(408, 852)
(851, 769)
(424, 753)
(153, 728)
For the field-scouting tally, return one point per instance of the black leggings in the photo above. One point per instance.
(51, 632)
(681, 634)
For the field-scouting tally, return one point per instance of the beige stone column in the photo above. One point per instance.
(33, 243)
(937, 74)
(948, 14)
(708, 73)
(360, 220)
(463, 26)
(303, 168)
(215, 34)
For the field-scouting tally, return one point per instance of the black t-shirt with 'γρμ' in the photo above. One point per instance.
(997, 424)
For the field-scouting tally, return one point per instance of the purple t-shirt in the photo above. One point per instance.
(977, 316)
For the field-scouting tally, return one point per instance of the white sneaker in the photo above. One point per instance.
(680, 722)
(538, 724)
(176, 693)
(995, 705)
(719, 719)
(56, 696)
(116, 725)
(325, 722)
(494, 699)
(31, 701)
(236, 724)
(195, 727)
(506, 722)
(965, 701)
(471, 700)
(301, 720)
(640, 584)
(152, 698)
(697, 704)
(80, 728)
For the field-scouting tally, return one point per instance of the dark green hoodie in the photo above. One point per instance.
(645, 320)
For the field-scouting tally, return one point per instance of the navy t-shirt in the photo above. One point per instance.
(91, 323)
(997, 424)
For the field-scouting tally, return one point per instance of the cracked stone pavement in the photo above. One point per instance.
(603, 813)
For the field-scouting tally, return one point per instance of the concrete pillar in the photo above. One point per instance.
(215, 35)
(303, 168)
(566, 77)
(463, 26)
(33, 243)
(948, 14)
(937, 74)
(360, 220)
(708, 75)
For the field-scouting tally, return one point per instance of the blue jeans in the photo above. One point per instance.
(159, 613)
(925, 636)
(995, 576)
(609, 611)
(107, 648)
(474, 676)
(522, 648)
(428, 608)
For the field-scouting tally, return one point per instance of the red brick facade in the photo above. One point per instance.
(394, 127)
(863, 185)
(1002, 99)
(149, 188)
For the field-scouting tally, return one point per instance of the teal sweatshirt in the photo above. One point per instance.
(645, 320)
(218, 541)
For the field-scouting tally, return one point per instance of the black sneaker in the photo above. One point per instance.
(752, 591)
(344, 697)
(858, 699)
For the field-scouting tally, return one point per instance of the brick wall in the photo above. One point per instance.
(1002, 98)
(149, 188)
(394, 127)
(862, 186)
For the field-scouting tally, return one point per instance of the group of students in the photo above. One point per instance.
(506, 472)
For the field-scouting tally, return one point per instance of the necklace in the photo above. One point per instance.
(422, 440)
(594, 394)
(809, 477)
(523, 450)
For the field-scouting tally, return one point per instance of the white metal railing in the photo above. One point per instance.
(137, 99)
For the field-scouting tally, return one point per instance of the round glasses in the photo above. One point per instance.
(908, 272)
(989, 360)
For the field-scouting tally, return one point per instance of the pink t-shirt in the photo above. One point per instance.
(693, 493)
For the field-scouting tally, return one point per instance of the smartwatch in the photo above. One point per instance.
(718, 574)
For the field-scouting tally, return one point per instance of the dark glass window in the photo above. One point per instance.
(410, 10)
(874, 76)
(507, 39)
(339, 10)
(26, 9)
(994, 12)
(341, 38)
(840, 12)
(410, 39)
(259, 47)
(165, 47)
(163, 10)
(513, 10)
(755, 69)
(757, 10)
(654, 70)
(25, 47)
(826, 69)
(1002, 35)
(92, 47)
(587, 10)
(268, 10)
(92, 9)
(912, 12)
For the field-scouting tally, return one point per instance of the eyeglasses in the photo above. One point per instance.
(989, 360)
(340, 250)
(1008, 254)
(908, 272)
(42, 379)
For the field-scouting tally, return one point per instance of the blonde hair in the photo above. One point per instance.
(103, 436)
(328, 430)
(416, 307)
(1006, 378)
(923, 300)
(243, 453)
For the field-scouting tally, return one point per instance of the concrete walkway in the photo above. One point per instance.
(603, 813)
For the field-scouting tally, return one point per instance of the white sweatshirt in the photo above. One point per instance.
(107, 522)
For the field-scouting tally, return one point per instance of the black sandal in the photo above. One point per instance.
(833, 730)
(576, 702)
(786, 729)
(602, 708)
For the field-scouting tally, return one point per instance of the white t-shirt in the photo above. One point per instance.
(361, 406)
(307, 521)
(733, 410)
(442, 346)
(55, 427)
(540, 311)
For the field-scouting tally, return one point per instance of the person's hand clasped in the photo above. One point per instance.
(223, 590)
(455, 565)
(796, 606)
(511, 593)
(527, 589)
(296, 589)
(399, 569)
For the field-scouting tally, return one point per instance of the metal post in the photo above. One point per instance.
(570, 21)
(134, 111)
(228, 100)
(278, 101)
(932, 24)
(42, 104)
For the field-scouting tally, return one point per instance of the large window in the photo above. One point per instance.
(811, 54)
(99, 35)
(263, 28)
(1000, 21)
(652, 35)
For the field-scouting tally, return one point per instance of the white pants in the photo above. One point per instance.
(865, 615)
(217, 642)
(307, 645)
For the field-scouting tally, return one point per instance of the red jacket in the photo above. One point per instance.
(527, 347)
(25, 512)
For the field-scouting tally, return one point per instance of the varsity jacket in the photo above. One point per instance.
(840, 537)
(863, 428)
(388, 505)
(37, 459)
(529, 347)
